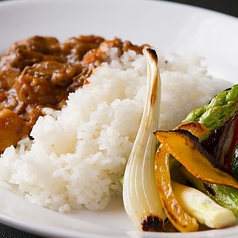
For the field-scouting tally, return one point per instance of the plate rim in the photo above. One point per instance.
(14, 222)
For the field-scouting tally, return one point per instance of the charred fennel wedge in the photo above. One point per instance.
(140, 195)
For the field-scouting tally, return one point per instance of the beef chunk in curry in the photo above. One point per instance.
(40, 72)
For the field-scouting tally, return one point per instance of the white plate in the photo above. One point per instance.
(170, 27)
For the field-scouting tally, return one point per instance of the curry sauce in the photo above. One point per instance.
(40, 72)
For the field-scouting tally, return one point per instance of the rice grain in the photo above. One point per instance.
(79, 153)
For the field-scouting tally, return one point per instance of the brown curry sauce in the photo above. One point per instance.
(40, 72)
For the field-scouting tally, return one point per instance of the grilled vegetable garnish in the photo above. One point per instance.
(232, 158)
(220, 117)
(195, 128)
(220, 109)
(182, 145)
(189, 152)
(201, 207)
(180, 219)
(140, 194)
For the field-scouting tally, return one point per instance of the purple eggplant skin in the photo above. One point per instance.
(234, 162)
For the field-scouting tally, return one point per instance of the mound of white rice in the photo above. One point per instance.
(79, 153)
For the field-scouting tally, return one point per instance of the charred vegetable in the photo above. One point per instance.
(234, 162)
(186, 148)
(180, 219)
(220, 109)
(220, 118)
(220, 140)
(232, 159)
(140, 195)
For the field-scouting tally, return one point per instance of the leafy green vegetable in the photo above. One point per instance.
(220, 109)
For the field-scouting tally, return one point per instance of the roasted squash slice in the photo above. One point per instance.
(181, 220)
(186, 148)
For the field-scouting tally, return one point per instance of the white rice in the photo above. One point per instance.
(79, 153)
